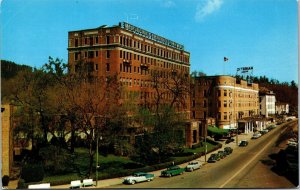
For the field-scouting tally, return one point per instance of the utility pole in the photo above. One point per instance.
(97, 157)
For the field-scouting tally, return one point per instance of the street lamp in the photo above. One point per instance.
(97, 158)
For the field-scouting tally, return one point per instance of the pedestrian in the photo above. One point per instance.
(5, 181)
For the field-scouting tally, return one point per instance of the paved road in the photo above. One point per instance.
(242, 169)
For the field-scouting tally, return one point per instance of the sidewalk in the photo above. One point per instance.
(115, 181)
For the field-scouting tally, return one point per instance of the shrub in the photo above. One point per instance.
(56, 160)
(32, 173)
(21, 184)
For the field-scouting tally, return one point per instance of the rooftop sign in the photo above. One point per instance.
(150, 35)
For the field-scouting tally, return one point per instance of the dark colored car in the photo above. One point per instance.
(228, 150)
(229, 141)
(212, 159)
(173, 170)
(243, 143)
(222, 154)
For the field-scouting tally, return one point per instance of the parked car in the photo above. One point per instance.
(262, 132)
(222, 154)
(256, 135)
(243, 143)
(228, 150)
(138, 177)
(171, 171)
(212, 158)
(193, 166)
(229, 141)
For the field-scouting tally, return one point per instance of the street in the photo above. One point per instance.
(247, 167)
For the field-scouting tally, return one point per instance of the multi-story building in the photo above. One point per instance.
(148, 66)
(224, 98)
(267, 102)
(135, 55)
(281, 108)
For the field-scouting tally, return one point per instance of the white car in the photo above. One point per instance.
(138, 177)
(193, 166)
(256, 135)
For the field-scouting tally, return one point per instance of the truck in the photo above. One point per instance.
(138, 177)
(171, 171)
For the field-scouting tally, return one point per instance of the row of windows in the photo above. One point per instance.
(129, 42)
(131, 82)
(145, 71)
(144, 47)
(238, 94)
(128, 56)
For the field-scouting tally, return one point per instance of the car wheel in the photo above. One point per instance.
(169, 175)
(133, 182)
(192, 169)
(148, 180)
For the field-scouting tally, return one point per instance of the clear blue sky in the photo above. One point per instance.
(258, 33)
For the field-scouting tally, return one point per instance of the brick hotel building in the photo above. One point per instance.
(132, 53)
(228, 100)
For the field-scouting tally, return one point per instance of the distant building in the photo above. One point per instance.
(224, 98)
(267, 102)
(281, 108)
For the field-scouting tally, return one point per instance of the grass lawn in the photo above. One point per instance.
(200, 149)
(109, 165)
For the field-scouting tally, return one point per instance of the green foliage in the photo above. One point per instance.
(10, 69)
(21, 184)
(32, 172)
(56, 160)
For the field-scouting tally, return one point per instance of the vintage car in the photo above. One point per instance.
(171, 171)
(193, 166)
(228, 150)
(243, 143)
(138, 177)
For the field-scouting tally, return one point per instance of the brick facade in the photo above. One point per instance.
(7, 140)
(135, 55)
(223, 98)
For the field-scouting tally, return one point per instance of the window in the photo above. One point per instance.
(77, 55)
(91, 54)
(219, 93)
(96, 67)
(96, 53)
(120, 53)
(193, 103)
(225, 103)
(225, 92)
(107, 54)
(91, 41)
(219, 115)
(204, 103)
(225, 115)
(107, 39)
(96, 39)
(107, 66)
(76, 42)
(121, 66)
(85, 41)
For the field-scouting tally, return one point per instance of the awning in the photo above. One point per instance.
(216, 130)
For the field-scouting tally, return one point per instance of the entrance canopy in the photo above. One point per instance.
(218, 131)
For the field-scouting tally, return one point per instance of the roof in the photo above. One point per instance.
(217, 130)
